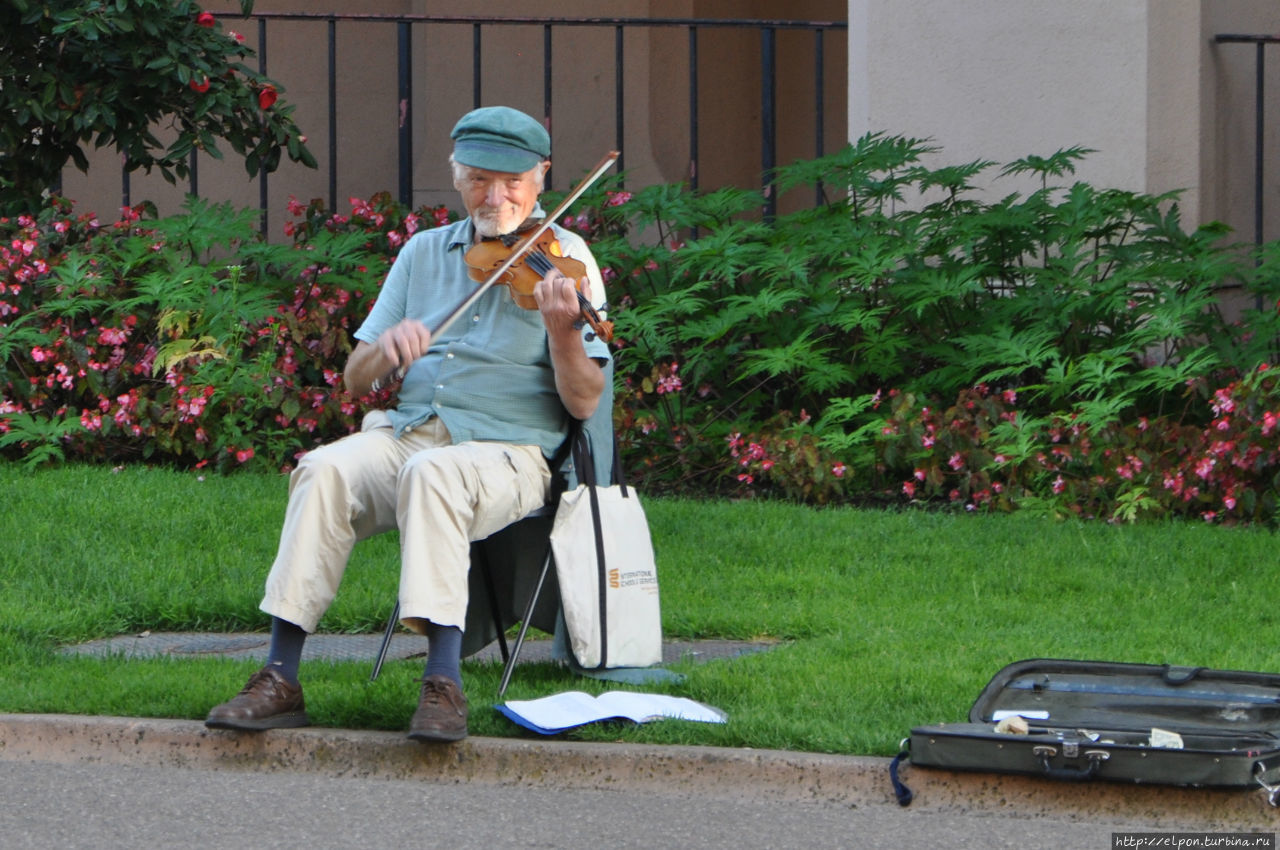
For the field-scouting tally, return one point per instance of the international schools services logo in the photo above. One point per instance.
(633, 578)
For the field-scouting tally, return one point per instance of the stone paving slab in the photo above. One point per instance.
(339, 647)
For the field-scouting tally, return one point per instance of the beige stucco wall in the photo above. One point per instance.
(1139, 81)
(1001, 79)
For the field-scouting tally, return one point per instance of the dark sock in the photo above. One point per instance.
(286, 648)
(444, 652)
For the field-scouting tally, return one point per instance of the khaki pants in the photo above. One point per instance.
(440, 496)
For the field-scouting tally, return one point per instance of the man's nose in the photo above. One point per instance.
(494, 195)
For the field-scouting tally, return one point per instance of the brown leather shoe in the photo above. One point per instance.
(268, 701)
(442, 711)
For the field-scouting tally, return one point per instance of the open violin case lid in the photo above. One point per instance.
(1085, 720)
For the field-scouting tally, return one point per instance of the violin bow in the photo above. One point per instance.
(516, 253)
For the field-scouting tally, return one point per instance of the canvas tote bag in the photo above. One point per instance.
(605, 569)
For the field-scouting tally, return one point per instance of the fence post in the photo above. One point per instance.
(768, 119)
(404, 63)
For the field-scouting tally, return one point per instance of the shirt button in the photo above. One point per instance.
(449, 356)
(439, 386)
(476, 317)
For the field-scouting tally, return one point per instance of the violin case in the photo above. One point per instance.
(1097, 720)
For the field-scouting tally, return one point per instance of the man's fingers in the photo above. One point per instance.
(406, 342)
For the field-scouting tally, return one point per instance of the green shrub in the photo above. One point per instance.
(902, 341)
(753, 355)
(142, 341)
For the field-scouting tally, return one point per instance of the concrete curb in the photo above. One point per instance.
(851, 781)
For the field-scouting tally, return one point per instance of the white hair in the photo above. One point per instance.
(460, 171)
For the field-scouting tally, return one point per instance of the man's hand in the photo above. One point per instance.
(397, 347)
(579, 380)
(404, 342)
(557, 299)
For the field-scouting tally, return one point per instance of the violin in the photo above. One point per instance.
(512, 256)
(540, 257)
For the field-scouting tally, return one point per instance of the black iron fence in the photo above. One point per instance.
(554, 90)
(1260, 43)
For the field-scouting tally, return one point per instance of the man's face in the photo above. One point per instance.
(499, 201)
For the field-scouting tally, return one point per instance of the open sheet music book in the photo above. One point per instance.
(558, 712)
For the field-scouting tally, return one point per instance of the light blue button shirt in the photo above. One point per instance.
(488, 376)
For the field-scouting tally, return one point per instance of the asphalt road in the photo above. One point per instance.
(70, 781)
(100, 805)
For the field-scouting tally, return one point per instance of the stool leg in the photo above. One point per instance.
(386, 641)
(524, 624)
(494, 610)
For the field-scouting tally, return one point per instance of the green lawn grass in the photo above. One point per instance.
(884, 619)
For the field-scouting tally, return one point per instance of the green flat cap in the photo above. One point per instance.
(499, 138)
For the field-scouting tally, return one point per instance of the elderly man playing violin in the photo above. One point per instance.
(482, 407)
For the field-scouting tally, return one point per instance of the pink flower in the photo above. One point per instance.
(201, 85)
(909, 489)
(267, 97)
(838, 469)
(1059, 485)
(205, 19)
(670, 382)
(956, 461)
(1222, 402)
(113, 336)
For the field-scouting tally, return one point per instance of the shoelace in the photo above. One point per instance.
(260, 681)
(436, 692)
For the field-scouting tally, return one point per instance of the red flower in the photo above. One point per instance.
(204, 19)
(267, 97)
(201, 85)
